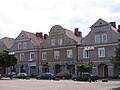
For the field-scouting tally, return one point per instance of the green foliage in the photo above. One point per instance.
(116, 58)
(7, 60)
(85, 67)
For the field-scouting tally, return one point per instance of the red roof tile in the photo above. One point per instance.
(35, 40)
(71, 35)
(8, 42)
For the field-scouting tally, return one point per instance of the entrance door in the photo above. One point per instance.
(102, 70)
(57, 68)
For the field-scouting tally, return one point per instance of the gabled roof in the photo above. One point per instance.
(2, 46)
(100, 22)
(8, 42)
(71, 35)
(35, 40)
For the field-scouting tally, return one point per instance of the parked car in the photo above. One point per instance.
(0, 76)
(85, 77)
(64, 76)
(21, 76)
(119, 75)
(46, 76)
(10, 74)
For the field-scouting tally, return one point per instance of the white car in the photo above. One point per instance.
(21, 76)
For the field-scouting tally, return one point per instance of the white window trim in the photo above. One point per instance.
(31, 55)
(69, 53)
(44, 53)
(24, 45)
(22, 54)
(53, 41)
(60, 41)
(85, 52)
(19, 46)
(96, 36)
(56, 54)
(103, 36)
(103, 53)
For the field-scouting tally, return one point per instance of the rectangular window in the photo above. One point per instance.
(32, 56)
(69, 53)
(19, 46)
(85, 54)
(53, 42)
(56, 54)
(24, 45)
(60, 41)
(97, 38)
(104, 38)
(101, 52)
(22, 56)
(43, 55)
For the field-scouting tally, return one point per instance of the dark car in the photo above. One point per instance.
(21, 76)
(64, 76)
(10, 74)
(46, 76)
(0, 76)
(85, 77)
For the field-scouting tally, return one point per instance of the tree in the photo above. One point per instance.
(85, 67)
(116, 58)
(7, 60)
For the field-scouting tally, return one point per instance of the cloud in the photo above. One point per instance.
(41, 15)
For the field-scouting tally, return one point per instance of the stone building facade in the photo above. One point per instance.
(98, 46)
(58, 52)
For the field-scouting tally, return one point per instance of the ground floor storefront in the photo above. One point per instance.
(57, 67)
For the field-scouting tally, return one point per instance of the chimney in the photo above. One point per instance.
(76, 32)
(37, 34)
(45, 36)
(118, 28)
(80, 34)
(113, 24)
(41, 35)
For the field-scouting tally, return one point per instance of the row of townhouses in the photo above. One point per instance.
(62, 49)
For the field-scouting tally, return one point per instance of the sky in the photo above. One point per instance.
(41, 15)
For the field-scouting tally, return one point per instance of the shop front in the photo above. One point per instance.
(70, 67)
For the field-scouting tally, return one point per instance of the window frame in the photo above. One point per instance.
(56, 54)
(103, 38)
(70, 53)
(101, 52)
(97, 38)
(44, 55)
(86, 54)
(32, 53)
(24, 45)
(53, 41)
(60, 41)
(19, 46)
(22, 56)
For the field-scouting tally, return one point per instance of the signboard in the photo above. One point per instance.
(70, 63)
(44, 63)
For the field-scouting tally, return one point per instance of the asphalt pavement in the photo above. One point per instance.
(33, 84)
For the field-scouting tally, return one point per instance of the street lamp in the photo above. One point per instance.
(11, 53)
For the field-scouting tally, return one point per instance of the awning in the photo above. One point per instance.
(70, 63)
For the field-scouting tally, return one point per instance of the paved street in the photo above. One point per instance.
(34, 84)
